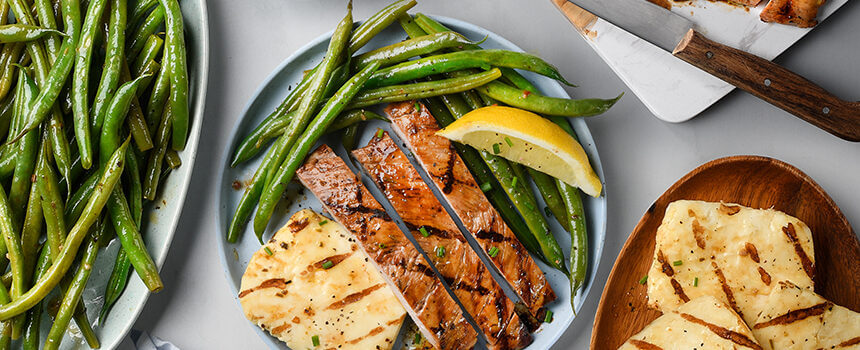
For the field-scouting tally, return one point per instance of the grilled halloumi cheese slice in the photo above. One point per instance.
(702, 323)
(731, 252)
(317, 286)
(797, 318)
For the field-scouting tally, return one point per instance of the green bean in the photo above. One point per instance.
(151, 69)
(254, 190)
(35, 51)
(47, 19)
(297, 155)
(175, 61)
(377, 23)
(4, 12)
(547, 105)
(28, 146)
(6, 336)
(151, 50)
(158, 97)
(460, 60)
(338, 77)
(15, 33)
(34, 315)
(8, 56)
(13, 245)
(353, 117)
(5, 117)
(140, 9)
(482, 175)
(430, 26)
(132, 242)
(33, 220)
(276, 127)
(267, 129)
(135, 186)
(403, 50)
(113, 58)
(136, 122)
(74, 292)
(76, 203)
(60, 145)
(408, 92)
(116, 114)
(172, 159)
(156, 157)
(52, 206)
(116, 283)
(109, 178)
(59, 71)
(349, 137)
(149, 27)
(81, 78)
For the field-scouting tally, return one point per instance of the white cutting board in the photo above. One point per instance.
(672, 89)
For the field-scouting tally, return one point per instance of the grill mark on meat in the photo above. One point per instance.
(296, 226)
(722, 332)
(280, 283)
(795, 315)
(727, 290)
(752, 251)
(349, 210)
(438, 157)
(460, 266)
(334, 259)
(699, 234)
(448, 176)
(765, 277)
(643, 345)
(808, 266)
(354, 297)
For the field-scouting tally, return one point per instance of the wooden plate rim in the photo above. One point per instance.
(713, 163)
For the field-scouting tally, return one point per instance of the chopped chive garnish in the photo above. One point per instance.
(678, 263)
(327, 264)
(417, 339)
(514, 181)
(323, 222)
(486, 187)
(696, 282)
(548, 318)
(440, 252)
(496, 149)
(493, 252)
(379, 133)
(268, 251)
(417, 107)
(508, 141)
(644, 279)
(316, 340)
(424, 232)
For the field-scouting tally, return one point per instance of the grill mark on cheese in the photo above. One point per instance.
(699, 233)
(372, 332)
(729, 209)
(667, 269)
(727, 290)
(334, 259)
(765, 277)
(752, 251)
(722, 332)
(644, 345)
(280, 283)
(439, 158)
(296, 226)
(849, 342)
(795, 315)
(281, 328)
(460, 266)
(808, 266)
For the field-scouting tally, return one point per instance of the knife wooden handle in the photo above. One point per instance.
(774, 84)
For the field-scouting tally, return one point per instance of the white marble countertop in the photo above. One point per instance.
(641, 155)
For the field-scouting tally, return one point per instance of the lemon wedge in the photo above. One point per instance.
(529, 139)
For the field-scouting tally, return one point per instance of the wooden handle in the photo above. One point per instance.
(774, 84)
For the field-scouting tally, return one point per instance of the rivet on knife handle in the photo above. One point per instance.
(774, 84)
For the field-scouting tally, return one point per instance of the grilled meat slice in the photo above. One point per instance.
(414, 283)
(417, 128)
(439, 237)
(801, 13)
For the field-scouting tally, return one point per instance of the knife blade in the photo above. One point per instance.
(762, 78)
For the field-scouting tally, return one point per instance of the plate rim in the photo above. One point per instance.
(223, 214)
(692, 173)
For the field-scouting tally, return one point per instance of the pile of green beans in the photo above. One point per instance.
(93, 103)
(453, 76)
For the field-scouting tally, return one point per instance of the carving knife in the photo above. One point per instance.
(762, 78)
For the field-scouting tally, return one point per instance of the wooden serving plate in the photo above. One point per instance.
(757, 182)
